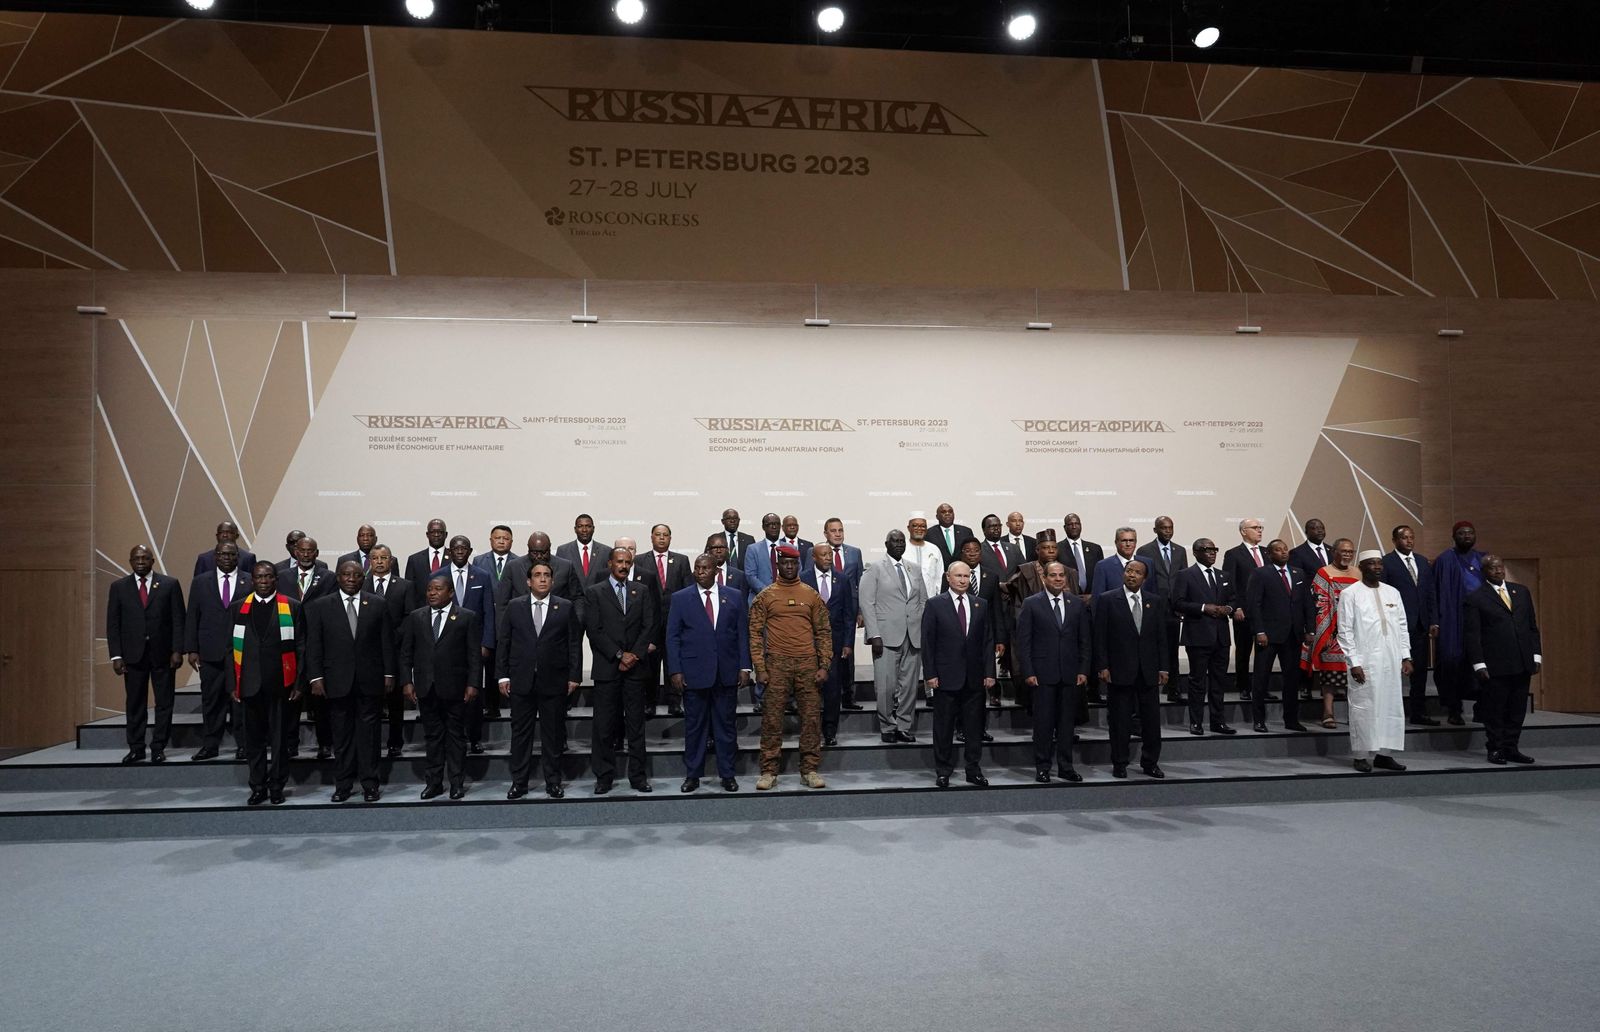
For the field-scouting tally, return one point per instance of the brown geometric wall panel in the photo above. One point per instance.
(187, 145)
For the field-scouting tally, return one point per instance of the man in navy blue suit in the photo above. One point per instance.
(708, 661)
(208, 643)
(1410, 574)
(958, 667)
(1052, 651)
(1201, 594)
(846, 558)
(473, 590)
(227, 533)
(838, 592)
(1130, 647)
(1275, 602)
(1108, 571)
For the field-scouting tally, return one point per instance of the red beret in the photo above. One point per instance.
(788, 552)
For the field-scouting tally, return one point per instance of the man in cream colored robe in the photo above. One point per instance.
(1376, 644)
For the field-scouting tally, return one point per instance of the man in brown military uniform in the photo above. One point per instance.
(791, 645)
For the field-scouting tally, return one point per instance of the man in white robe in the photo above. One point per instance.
(1377, 648)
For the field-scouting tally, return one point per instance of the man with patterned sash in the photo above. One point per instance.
(268, 647)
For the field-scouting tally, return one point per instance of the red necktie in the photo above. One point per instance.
(961, 614)
(227, 590)
(1285, 575)
(710, 613)
(585, 562)
(661, 569)
(1000, 555)
(1255, 553)
(434, 568)
(838, 560)
(772, 554)
(144, 593)
(720, 582)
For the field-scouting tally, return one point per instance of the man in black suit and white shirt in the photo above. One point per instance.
(1167, 560)
(144, 633)
(999, 556)
(1080, 554)
(1202, 595)
(736, 539)
(1500, 639)
(227, 533)
(1025, 544)
(290, 539)
(1130, 648)
(946, 534)
(588, 556)
(366, 537)
(1054, 649)
(1312, 554)
(620, 618)
(728, 575)
(539, 662)
(958, 667)
(350, 661)
(271, 631)
(208, 641)
(984, 584)
(423, 564)
(667, 572)
(1239, 564)
(441, 662)
(473, 589)
(566, 582)
(307, 580)
(395, 592)
(1275, 602)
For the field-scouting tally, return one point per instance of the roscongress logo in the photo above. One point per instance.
(604, 217)
(1092, 426)
(423, 421)
(554, 216)
(775, 424)
(753, 111)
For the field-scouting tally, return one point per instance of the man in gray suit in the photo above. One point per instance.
(892, 598)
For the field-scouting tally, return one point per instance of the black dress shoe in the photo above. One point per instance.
(789, 709)
(905, 738)
(257, 797)
(1244, 696)
(1425, 721)
(394, 752)
(292, 752)
(1293, 725)
(830, 741)
(1259, 727)
(730, 784)
(1362, 765)
(976, 778)
(341, 794)
(851, 705)
(961, 737)
(942, 781)
(238, 754)
(602, 786)
(554, 790)
(756, 708)
(1119, 772)
(372, 795)
(324, 753)
(674, 710)
(1518, 757)
(1197, 730)
(994, 702)
(158, 756)
(516, 791)
(1154, 771)
(1454, 720)
(1269, 697)
(987, 737)
(689, 785)
(432, 791)
(475, 748)
(640, 786)
(889, 737)
(1387, 763)
(1497, 758)
(458, 792)
(1070, 774)
(206, 753)
(1223, 729)
(276, 795)
(134, 756)
(1043, 777)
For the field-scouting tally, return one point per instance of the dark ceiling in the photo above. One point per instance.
(1547, 39)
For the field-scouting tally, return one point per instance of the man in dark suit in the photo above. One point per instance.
(208, 641)
(998, 555)
(366, 537)
(1500, 639)
(839, 595)
(283, 566)
(350, 661)
(587, 556)
(539, 662)
(423, 564)
(1052, 653)
(1239, 564)
(567, 581)
(946, 534)
(395, 592)
(666, 572)
(761, 560)
(1202, 595)
(985, 585)
(227, 533)
(708, 661)
(791, 536)
(736, 540)
(441, 662)
(1167, 560)
(1080, 555)
(620, 618)
(1025, 544)
(494, 562)
(1410, 573)
(958, 667)
(1313, 553)
(305, 581)
(269, 634)
(473, 589)
(725, 574)
(847, 559)
(1276, 601)
(1108, 574)
(1130, 647)
(144, 633)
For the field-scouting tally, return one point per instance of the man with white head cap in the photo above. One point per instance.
(1376, 643)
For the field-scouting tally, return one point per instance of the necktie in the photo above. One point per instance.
(1283, 571)
(950, 540)
(585, 562)
(144, 592)
(711, 614)
(827, 590)
(838, 559)
(1077, 561)
(1055, 600)
(733, 544)
(538, 616)
(438, 623)
(772, 557)
(350, 612)
(622, 599)
(1138, 612)
(1166, 556)
(500, 567)
(363, 562)
(905, 585)
(720, 582)
(1255, 553)
(1411, 568)
(661, 570)
(461, 584)
(1211, 578)
(379, 584)
(1501, 588)
(227, 590)
(1000, 554)
(434, 566)
(961, 613)
(1321, 558)
(305, 575)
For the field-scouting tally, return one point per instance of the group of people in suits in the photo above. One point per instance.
(946, 610)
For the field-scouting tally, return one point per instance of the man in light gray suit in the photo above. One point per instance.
(892, 598)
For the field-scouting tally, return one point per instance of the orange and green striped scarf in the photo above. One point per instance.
(291, 670)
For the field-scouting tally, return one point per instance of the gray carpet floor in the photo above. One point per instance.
(1458, 914)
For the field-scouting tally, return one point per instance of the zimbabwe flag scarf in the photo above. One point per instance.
(291, 670)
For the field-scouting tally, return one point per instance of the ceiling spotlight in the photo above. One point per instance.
(201, 5)
(421, 10)
(1022, 26)
(830, 19)
(629, 12)
(1206, 36)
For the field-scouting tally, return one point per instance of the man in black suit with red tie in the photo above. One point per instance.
(144, 633)
(350, 661)
(1239, 564)
(539, 662)
(1130, 647)
(1201, 595)
(1275, 603)
(1052, 652)
(394, 591)
(269, 631)
(589, 558)
(725, 573)
(958, 667)
(620, 619)
(208, 641)
(1500, 639)
(441, 662)
(423, 564)
(227, 533)
(667, 573)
